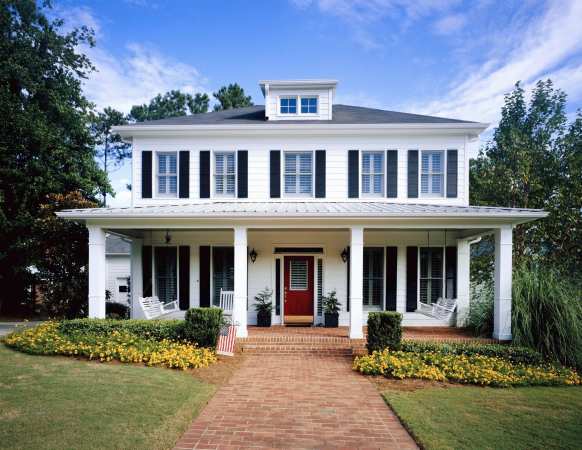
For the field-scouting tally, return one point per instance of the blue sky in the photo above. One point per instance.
(446, 57)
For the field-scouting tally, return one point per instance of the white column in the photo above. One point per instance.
(356, 281)
(239, 309)
(136, 278)
(97, 271)
(463, 280)
(503, 272)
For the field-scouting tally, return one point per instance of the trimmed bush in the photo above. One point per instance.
(384, 330)
(203, 326)
(147, 329)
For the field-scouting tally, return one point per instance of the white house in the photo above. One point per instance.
(118, 264)
(373, 204)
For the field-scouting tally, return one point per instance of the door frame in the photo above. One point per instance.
(287, 272)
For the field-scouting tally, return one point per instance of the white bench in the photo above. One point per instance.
(443, 309)
(152, 307)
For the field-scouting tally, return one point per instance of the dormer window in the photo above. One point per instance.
(308, 105)
(288, 105)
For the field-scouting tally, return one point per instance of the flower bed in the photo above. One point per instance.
(470, 369)
(48, 339)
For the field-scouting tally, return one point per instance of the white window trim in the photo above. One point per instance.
(213, 168)
(418, 277)
(157, 174)
(298, 99)
(284, 193)
(372, 194)
(444, 172)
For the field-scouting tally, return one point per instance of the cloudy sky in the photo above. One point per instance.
(445, 57)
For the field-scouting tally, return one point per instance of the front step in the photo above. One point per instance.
(296, 349)
(300, 344)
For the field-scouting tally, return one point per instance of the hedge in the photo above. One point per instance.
(147, 329)
(384, 330)
(203, 326)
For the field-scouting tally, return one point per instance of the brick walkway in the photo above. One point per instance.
(296, 401)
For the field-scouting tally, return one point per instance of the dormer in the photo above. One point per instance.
(298, 99)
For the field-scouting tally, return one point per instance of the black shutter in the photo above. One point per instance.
(320, 173)
(205, 174)
(242, 169)
(204, 276)
(184, 284)
(278, 286)
(452, 173)
(392, 173)
(353, 174)
(184, 177)
(412, 173)
(146, 267)
(451, 272)
(411, 278)
(391, 258)
(348, 280)
(146, 174)
(275, 173)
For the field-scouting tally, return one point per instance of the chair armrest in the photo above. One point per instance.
(174, 305)
(423, 307)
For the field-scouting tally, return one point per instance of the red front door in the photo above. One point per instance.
(298, 289)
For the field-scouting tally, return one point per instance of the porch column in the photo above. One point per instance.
(463, 280)
(136, 280)
(239, 308)
(97, 272)
(356, 281)
(503, 269)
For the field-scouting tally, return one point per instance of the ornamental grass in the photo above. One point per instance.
(46, 339)
(468, 369)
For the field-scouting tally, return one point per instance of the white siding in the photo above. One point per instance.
(118, 266)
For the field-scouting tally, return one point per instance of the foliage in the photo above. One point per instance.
(480, 317)
(384, 330)
(231, 96)
(45, 144)
(172, 104)
(470, 369)
(114, 310)
(263, 304)
(46, 339)
(145, 329)
(331, 304)
(203, 326)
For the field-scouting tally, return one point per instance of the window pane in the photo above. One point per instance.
(373, 276)
(305, 184)
(165, 263)
(230, 163)
(366, 184)
(436, 162)
(378, 163)
(230, 184)
(436, 184)
(425, 156)
(173, 184)
(431, 274)
(290, 162)
(377, 184)
(172, 164)
(222, 271)
(298, 275)
(290, 184)
(424, 183)
(305, 163)
(219, 163)
(161, 185)
(366, 162)
(219, 184)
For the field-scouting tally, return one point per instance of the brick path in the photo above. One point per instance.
(296, 401)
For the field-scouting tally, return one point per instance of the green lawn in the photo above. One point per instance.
(489, 418)
(60, 403)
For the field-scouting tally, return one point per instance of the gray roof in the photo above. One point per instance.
(342, 114)
(116, 245)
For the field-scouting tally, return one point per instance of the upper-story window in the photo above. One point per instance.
(432, 176)
(373, 173)
(224, 173)
(299, 173)
(308, 105)
(288, 105)
(167, 174)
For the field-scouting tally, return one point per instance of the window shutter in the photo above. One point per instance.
(411, 278)
(353, 174)
(184, 277)
(184, 176)
(146, 267)
(451, 272)
(205, 174)
(320, 173)
(242, 159)
(391, 258)
(392, 173)
(412, 173)
(204, 276)
(146, 174)
(275, 173)
(452, 173)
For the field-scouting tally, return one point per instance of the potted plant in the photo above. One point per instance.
(331, 309)
(264, 307)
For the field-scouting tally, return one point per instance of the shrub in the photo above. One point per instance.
(480, 317)
(331, 304)
(114, 310)
(263, 304)
(147, 329)
(384, 330)
(203, 326)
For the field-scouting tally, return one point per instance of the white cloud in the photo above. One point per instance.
(450, 24)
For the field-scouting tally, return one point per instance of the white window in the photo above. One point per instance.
(373, 173)
(288, 105)
(167, 175)
(432, 176)
(299, 173)
(224, 173)
(308, 105)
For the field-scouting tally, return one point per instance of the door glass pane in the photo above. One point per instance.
(165, 263)
(222, 271)
(298, 277)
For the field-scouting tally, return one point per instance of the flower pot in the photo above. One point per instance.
(331, 320)
(263, 319)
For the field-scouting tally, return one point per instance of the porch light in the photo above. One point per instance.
(345, 254)
(253, 255)
(168, 237)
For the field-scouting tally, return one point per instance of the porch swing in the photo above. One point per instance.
(443, 308)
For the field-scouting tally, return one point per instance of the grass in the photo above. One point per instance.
(489, 418)
(53, 402)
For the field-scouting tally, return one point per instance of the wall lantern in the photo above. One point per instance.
(253, 255)
(345, 254)
(168, 237)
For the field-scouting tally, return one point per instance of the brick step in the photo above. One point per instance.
(299, 340)
(325, 350)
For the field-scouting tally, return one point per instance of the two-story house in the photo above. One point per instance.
(304, 196)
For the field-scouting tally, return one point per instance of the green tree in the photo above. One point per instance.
(172, 104)
(45, 141)
(231, 96)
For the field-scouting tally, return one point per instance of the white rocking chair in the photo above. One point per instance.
(443, 309)
(152, 308)
(226, 301)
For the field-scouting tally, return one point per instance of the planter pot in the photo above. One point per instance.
(331, 320)
(263, 319)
